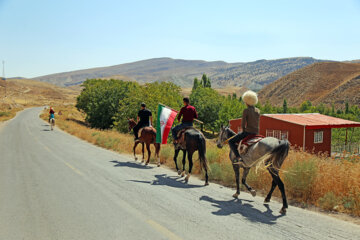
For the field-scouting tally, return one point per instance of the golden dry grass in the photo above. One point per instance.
(309, 179)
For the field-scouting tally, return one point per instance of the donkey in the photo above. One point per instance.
(194, 140)
(270, 150)
(147, 137)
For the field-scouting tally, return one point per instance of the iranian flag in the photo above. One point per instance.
(165, 119)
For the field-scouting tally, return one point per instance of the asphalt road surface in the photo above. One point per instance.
(55, 186)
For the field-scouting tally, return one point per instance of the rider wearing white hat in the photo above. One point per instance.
(249, 123)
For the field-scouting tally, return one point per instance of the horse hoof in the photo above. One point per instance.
(206, 184)
(283, 211)
(179, 172)
(136, 159)
(235, 195)
(146, 163)
(253, 192)
(187, 178)
(183, 174)
(266, 201)
(158, 164)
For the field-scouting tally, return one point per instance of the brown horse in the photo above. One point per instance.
(147, 137)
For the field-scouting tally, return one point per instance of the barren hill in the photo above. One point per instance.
(25, 92)
(326, 82)
(252, 75)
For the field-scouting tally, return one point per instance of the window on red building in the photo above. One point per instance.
(279, 134)
(318, 136)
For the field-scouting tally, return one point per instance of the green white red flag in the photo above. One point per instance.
(165, 119)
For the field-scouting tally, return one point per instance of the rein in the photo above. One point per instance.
(227, 140)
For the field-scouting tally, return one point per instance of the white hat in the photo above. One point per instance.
(250, 98)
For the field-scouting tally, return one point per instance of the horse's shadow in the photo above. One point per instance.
(171, 181)
(130, 165)
(236, 206)
(46, 130)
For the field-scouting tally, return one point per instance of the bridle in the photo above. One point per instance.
(226, 140)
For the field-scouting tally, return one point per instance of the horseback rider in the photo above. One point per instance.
(144, 119)
(249, 123)
(51, 114)
(188, 114)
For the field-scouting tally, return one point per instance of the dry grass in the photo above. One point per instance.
(309, 179)
(7, 114)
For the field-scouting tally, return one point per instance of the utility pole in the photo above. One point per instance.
(3, 62)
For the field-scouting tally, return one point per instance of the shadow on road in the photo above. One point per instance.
(130, 165)
(45, 130)
(164, 180)
(236, 206)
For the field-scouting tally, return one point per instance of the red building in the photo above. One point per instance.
(310, 131)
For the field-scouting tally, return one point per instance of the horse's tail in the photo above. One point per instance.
(277, 156)
(202, 152)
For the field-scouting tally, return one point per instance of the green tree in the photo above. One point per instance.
(346, 108)
(207, 102)
(205, 81)
(285, 106)
(196, 84)
(100, 100)
(152, 94)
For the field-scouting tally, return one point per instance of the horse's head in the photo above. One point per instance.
(222, 137)
(131, 123)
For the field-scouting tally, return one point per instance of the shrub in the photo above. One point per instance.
(300, 178)
(329, 201)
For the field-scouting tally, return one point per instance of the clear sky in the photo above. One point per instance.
(39, 37)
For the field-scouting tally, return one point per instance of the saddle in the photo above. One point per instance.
(247, 142)
(181, 142)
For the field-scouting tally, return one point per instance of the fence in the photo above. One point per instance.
(350, 148)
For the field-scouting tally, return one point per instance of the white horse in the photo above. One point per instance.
(269, 150)
(52, 123)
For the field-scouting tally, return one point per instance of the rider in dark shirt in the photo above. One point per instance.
(188, 114)
(144, 119)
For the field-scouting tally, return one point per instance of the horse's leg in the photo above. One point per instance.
(175, 160)
(236, 168)
(268, 197)
(136, 143)
(143, 153)
(183, 163)
(243, 181)
(149, 153)
(280, 184)
(190, 155)
(157, 153)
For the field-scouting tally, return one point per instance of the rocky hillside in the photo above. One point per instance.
(326, 82)
(252, 75)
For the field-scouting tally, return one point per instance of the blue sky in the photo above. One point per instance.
(39, 37)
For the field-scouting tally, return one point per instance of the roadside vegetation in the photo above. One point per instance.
(7, 114)
(100, 117)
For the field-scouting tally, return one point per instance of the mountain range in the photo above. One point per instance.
(253, 75)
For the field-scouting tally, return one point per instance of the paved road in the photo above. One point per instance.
(55, 186)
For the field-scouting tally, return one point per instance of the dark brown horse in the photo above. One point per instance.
(147, 137)
(194, 141)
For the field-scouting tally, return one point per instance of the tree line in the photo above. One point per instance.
(109, 103)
